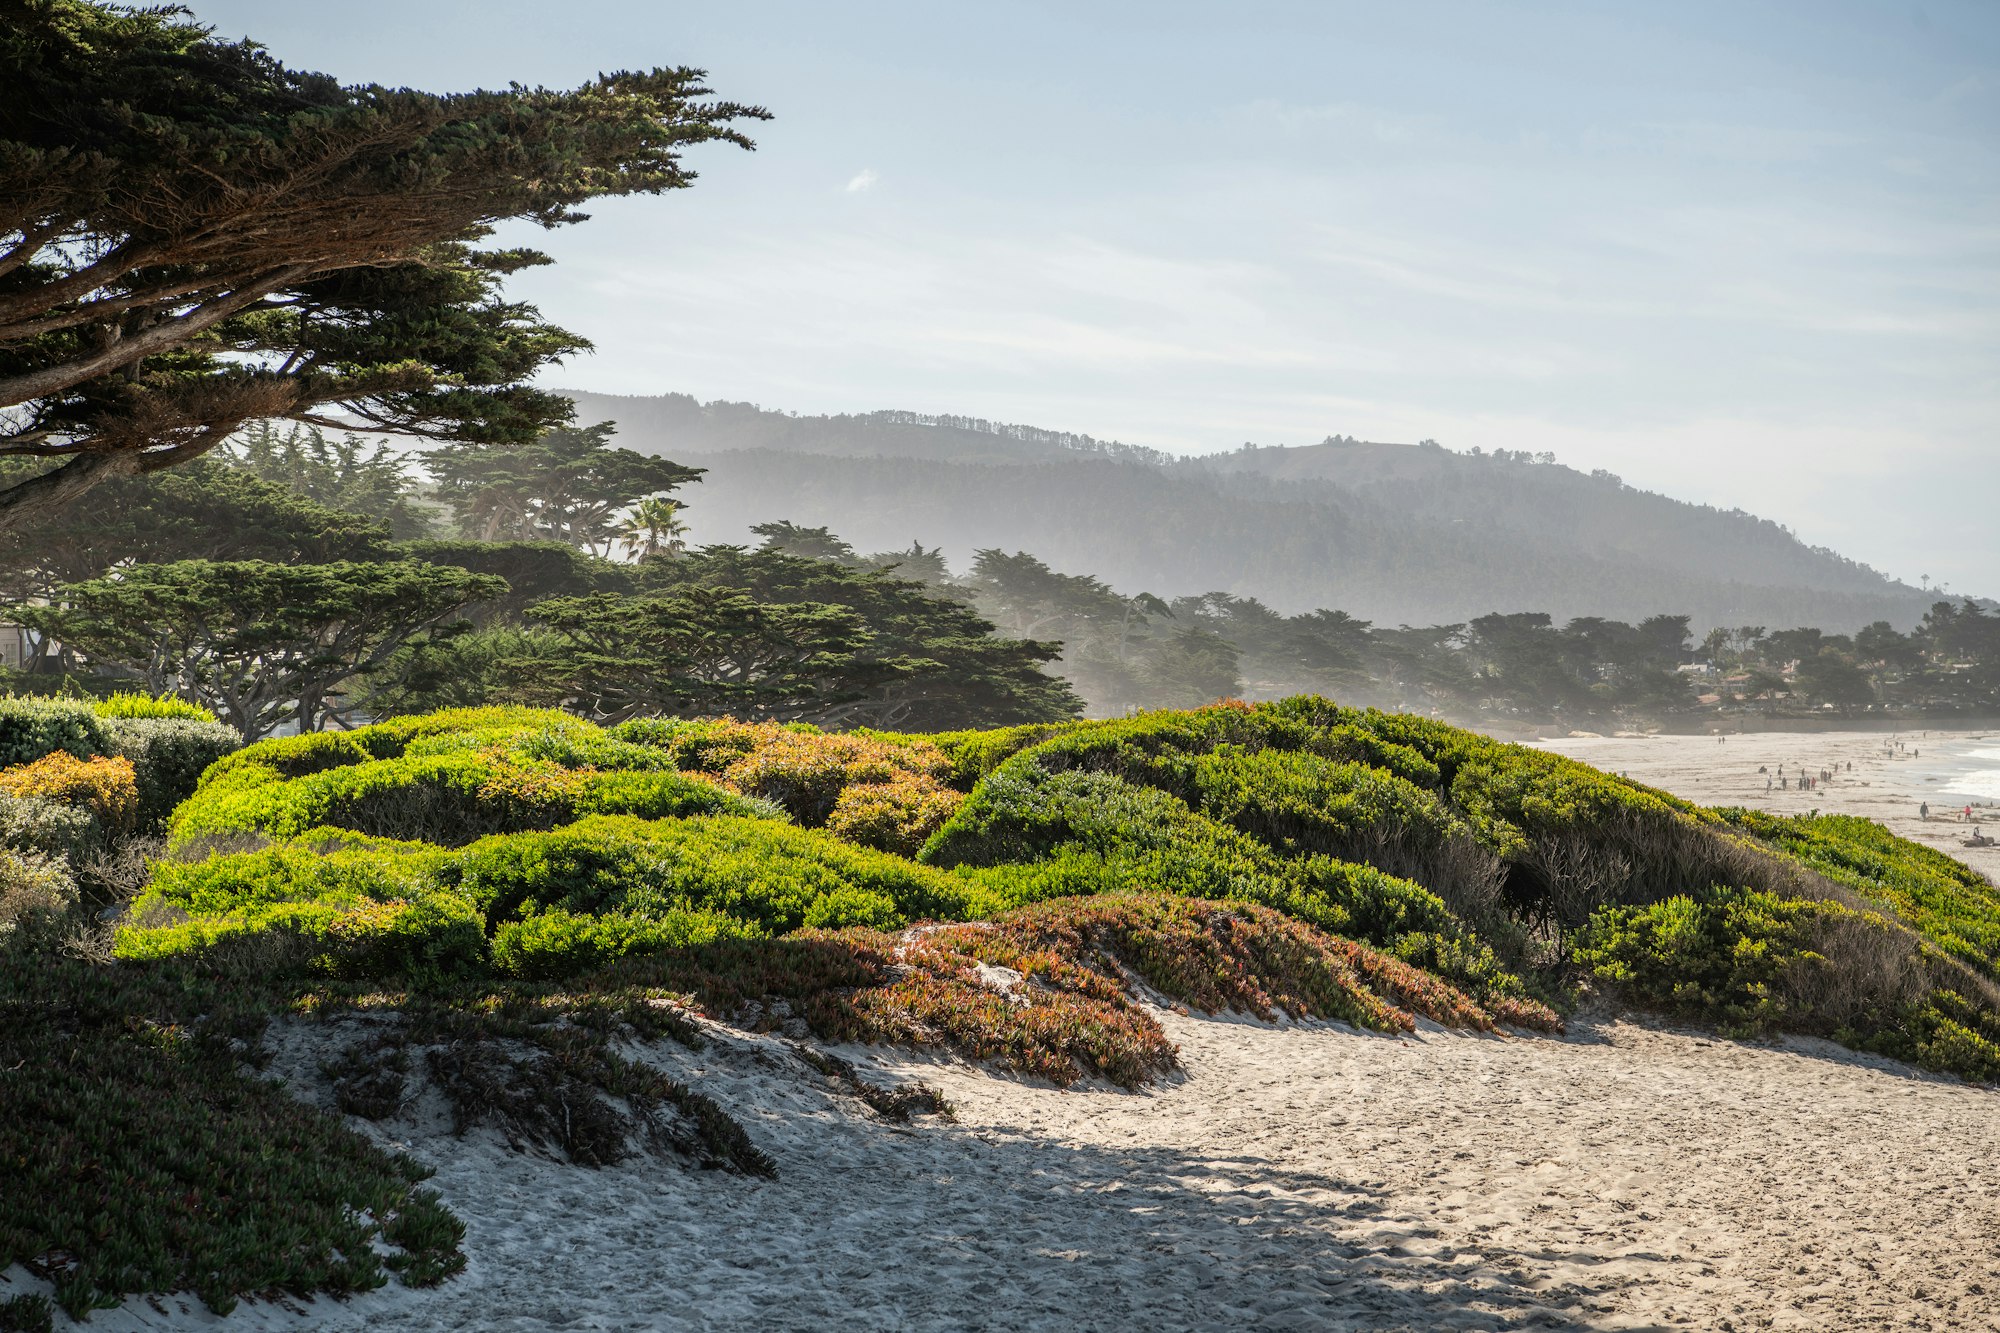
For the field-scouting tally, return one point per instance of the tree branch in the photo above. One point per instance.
(167, 333)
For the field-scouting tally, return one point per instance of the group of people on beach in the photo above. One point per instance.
(1806, 781)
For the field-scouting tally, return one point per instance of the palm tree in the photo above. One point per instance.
(654, 528)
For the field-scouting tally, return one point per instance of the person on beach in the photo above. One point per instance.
(1923, 809)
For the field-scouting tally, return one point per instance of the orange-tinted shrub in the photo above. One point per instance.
(889, 795)
(107, 787)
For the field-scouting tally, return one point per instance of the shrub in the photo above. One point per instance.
(324, 864)
(106, 787)
(451, 798)
(1754, 962)
(36, 892)
(555, 943)
(1954, 906)
(136, 706)
(880, 790)
(1077, 832)
(764, 874)
(169, 753)
(897, 816)
(37, 824)
(451, 728)
(426, 940)
(31, 727)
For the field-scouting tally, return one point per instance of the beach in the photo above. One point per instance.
(1626, 1175)
(1947, 769)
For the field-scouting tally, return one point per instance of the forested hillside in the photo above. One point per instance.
(1392, 533)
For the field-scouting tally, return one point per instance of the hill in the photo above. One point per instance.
(1388, 532)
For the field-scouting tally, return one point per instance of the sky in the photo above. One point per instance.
(1746, 252)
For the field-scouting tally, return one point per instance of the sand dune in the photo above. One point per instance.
(1624, 1176)
(1305, 1177)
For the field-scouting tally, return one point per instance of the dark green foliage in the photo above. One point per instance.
(27, 1314)
(200, 511)
(563, 487)
(141, 1161)
(169, 755)
(948, 667)
(31, 728)
(259, 643)
(212, 238)
(348, 475)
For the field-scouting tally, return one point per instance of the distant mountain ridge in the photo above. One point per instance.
(1395, 533)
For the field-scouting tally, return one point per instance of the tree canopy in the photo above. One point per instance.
(193, 235)
(259, 644)
(564, 486)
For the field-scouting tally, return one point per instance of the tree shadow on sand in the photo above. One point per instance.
(1022, 1231)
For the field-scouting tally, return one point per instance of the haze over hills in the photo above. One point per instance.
(1394, 533)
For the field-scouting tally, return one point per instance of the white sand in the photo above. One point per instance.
(1306, 1177)
(1887, 790)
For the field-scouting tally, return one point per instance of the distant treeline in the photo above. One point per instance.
(302, 580)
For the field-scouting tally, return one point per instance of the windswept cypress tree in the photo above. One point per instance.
(193, 236)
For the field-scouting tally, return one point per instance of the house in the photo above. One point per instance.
(17, 645)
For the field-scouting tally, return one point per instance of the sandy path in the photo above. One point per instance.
(1879, 787)
(1307, 1177)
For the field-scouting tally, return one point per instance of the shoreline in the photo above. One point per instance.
(1936, 767)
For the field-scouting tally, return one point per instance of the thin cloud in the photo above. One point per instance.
(863, 180)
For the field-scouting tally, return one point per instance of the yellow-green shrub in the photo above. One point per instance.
(450, 798)
(433, 937)
(772, 877)
(126, 705)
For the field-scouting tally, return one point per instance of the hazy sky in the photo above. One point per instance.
(1746, 253)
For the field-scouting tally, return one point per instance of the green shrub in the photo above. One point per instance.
(324, 864)
(450, 798)
(1021, 812)
(1954, 906)
(169, 753)
(555, 943)
(428, 939)
(449, 729)
(31, 727)
(1754, 962)
(37, 824)
(767, 875)
(145, 706)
